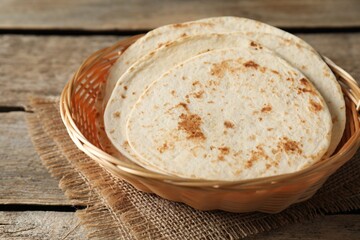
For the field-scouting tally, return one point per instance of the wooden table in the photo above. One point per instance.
(42, 44)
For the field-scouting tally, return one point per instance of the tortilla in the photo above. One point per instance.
(230, 114)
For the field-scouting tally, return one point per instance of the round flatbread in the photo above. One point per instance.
(230, 114)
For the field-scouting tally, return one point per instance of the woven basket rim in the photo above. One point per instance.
(349, 86)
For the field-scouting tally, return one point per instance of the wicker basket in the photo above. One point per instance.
(79, 112)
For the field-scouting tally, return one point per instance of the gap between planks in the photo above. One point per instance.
(127, 32)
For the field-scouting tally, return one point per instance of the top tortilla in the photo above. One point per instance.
(230, 114)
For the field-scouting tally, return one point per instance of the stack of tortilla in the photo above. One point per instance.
(223, 98)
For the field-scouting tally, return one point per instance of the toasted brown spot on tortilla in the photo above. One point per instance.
(163, 148)
(219, 69)
(229, 124)
(112, 131)
(173, 92)
(256, 155)
(326, 73)
(116, 114)
(298, 45)
(196, 83)
(289, 146)
(183, 35)
(184, 105)
(306, 90)
(268, 166)
(198, 94)
(253, 44)
(133, 93)
(304, 82)
(270, 129)
(224, 150)
(267, 108)
(276, 72)
(210, 101)
(125, 88)
(190, 123)
(260, 119)
(152, 53)
(262, 69)
(314, 106)
(251, 64)
(179, 25)
(123, 96)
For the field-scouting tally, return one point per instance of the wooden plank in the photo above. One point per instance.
(23, 179)
(324, 228)
(64, 225)
(40, 225)
(43, 64)
(142, 14)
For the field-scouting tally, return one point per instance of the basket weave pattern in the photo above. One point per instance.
(80, 111)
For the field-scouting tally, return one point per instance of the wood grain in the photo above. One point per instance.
(23, 179)
(43, 64)
(143, 14)
(40, 225)
(64, 225)
(324, 228)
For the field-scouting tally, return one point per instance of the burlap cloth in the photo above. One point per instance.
(116, 210)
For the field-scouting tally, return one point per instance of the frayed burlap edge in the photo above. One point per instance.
(106, 218)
